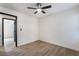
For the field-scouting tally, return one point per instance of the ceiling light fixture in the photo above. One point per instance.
(39, 10)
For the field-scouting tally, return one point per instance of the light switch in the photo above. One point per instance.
(20, 29)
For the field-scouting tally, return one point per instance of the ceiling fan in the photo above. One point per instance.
(40, 8)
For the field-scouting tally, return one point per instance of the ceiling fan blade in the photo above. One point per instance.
(31, 8)
(43, 11)
(49, 6)
(35, 12)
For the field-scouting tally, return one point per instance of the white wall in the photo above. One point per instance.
(28, 24)
(61, 28)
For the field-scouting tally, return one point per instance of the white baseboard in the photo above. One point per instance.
(59, 45)
(19, 44)
(23, 43)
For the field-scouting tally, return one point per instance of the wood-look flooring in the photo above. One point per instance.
(39, 48)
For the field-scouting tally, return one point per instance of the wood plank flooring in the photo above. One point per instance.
(39, 48)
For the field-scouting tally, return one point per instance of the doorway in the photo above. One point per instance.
(9, 33)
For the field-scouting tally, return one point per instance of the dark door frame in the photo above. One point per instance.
(3, 27)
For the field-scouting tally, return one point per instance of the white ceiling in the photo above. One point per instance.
(22, 7)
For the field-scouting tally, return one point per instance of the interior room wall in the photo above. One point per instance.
(28, 24)
(61, 28)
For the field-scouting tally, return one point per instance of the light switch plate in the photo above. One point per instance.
(20, 29)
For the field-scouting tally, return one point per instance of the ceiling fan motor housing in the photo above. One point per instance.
(38, 5)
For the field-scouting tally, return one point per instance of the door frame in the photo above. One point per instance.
(3, 27)
(3, 19)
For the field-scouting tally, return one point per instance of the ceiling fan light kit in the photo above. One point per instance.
(39, 10)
